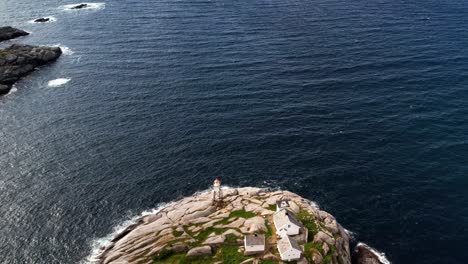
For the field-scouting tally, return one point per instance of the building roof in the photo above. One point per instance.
(286, 243)
(285, 217)
(254, 240)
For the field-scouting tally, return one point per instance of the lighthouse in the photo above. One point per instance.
(217, 194)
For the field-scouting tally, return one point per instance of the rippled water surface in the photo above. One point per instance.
(358, 105)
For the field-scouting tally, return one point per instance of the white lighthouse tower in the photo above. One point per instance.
(217, 194)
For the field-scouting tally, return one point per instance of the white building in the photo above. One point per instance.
(254, 244)
(289, 249)
(286, 224)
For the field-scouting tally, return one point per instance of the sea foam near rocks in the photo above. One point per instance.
(58, 82)
(51, 20)
(90, 6)
(380, 255)
(99, 243)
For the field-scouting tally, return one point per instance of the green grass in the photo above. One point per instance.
(268, 262)
(308, 221)
(206, 232)
(242, 213)
(231, 238)
(5, 52)
(177, 233)
(183, 259)
(272, 207)
(229, 255)
(224, 221)
(309, 248)
(269, 232)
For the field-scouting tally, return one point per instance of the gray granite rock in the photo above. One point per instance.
(7, 33)
(18, 60)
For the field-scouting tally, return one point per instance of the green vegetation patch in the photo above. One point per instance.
(6, 52)
(203, 235)
(268, 262)
(231, 238)
(183, 259)
(272, 207)
(308, 221)
(230, 255)
(242, 213)
(177, 233)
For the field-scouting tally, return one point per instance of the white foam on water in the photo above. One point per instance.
(65, 50)
(382, 258)
(12, 90)
(98, 244)
(51, 19)
(58, 82)
(90, 6)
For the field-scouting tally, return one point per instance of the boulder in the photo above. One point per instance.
(178, 247)
(7, 33)
(325, 248)
(317, 257)
(4, 89)
(365, 255)
(322, 237)
(199, 251)
(214, 240)
(255, 225)
(80, 6)
(42, 20)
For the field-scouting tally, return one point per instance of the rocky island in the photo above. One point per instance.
(7, 33)
(18, 60)
(236, 225)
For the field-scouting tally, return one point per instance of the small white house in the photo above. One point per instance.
(289, 249)
(254, 244)
(286, 224)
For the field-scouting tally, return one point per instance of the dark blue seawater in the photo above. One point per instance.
(358, 105)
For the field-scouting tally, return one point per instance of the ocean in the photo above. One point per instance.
(360, 106)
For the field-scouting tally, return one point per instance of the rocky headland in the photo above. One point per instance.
(18, 60)
(199, 229)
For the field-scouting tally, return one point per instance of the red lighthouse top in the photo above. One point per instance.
(217, 181)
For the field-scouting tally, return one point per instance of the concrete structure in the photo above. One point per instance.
(254, 244)
(289, 249)
(286, 224)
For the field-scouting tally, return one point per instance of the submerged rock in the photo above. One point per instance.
(42, 20)
(80, 6)
(7, 33)
(18, 60)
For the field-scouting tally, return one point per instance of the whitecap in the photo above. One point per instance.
(12, 90)
(58, 82)
(380, 255)
(90, 6)
(65, 50)
(51, 19)
(98, 244)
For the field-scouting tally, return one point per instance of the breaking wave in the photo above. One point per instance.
(98, 244)
(382, 258)
(90, 6)
(58, 82)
